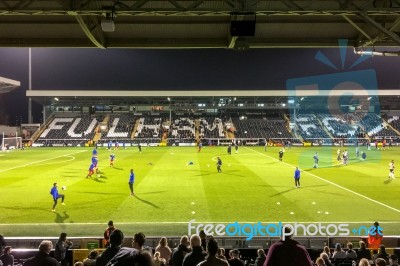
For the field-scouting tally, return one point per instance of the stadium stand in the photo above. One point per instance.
(72, 129)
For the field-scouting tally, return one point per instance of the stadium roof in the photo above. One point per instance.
(199, 23)
(7, 85)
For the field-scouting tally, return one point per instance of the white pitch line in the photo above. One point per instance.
(334, 184)
(37, 162)
(197, 222)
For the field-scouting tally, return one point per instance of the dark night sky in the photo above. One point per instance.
(200, 69)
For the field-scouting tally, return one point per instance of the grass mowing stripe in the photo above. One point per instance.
(334, 184)
(38, 162)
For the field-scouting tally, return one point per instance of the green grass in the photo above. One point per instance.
(170, 193)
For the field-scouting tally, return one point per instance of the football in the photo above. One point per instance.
(64, 188)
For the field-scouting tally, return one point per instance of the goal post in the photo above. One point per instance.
(11, 143)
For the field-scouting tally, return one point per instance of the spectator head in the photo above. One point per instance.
(221, 252)
(382, 249)
(195, 241)
(380, 262)
(362, 244)
(63, 237)
(202, 234)
(78, 263)
(163, 242)
(320, 262)
(184, 240)
(157, 255)
(349, 245)
(260, 253)
(364, 262)
(7, 249)
(324, 256)
(45, 246)
(212, 247)
(234, 253)
(338, 247)
(110, 224)
(116, 238)
(138, 240)
(327, 250)
(93, 254)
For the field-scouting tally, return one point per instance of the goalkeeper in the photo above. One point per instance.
(56, 196)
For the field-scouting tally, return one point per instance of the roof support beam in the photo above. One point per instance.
(89, 34)
(391, 35)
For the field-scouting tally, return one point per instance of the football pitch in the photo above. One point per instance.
(174, 185)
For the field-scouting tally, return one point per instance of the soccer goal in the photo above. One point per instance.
(11, 143)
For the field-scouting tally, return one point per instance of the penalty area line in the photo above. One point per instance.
(38, 162)
(334, 184)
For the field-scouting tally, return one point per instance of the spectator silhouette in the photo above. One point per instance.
(165, 251)
(212, 259)
(197, 255)
(339, 253)
(42, 257)
(363, 252)
(234, 258)
(179, 253)
(7, 258)
(62, 246)
(287, 252)
(116, 239)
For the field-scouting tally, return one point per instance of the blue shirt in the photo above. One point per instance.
(131, 177)
(297, 173)
(91, 167)
(112, 157)
(54, 192)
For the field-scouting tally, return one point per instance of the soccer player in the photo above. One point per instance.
(363, 155)
(230, 149)
(237, 145)
(357, 152)
(94, 162)
(297, 177)
(200, 146)
(131, 181)
(391, 170)
(345, 157)
(280, 155)
(219, 164)
(112, 158)
(91, 170)
(109, 145)
(139, 147)
(316, 160)
(56, 196)
(339, 158)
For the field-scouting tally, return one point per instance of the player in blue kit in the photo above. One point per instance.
(94, 152)
(95, 162)
(131, 181)
(112, 158)
(297, 177)
(56, 196)
(91, 171)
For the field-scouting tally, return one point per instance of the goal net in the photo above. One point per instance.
(11, 143)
